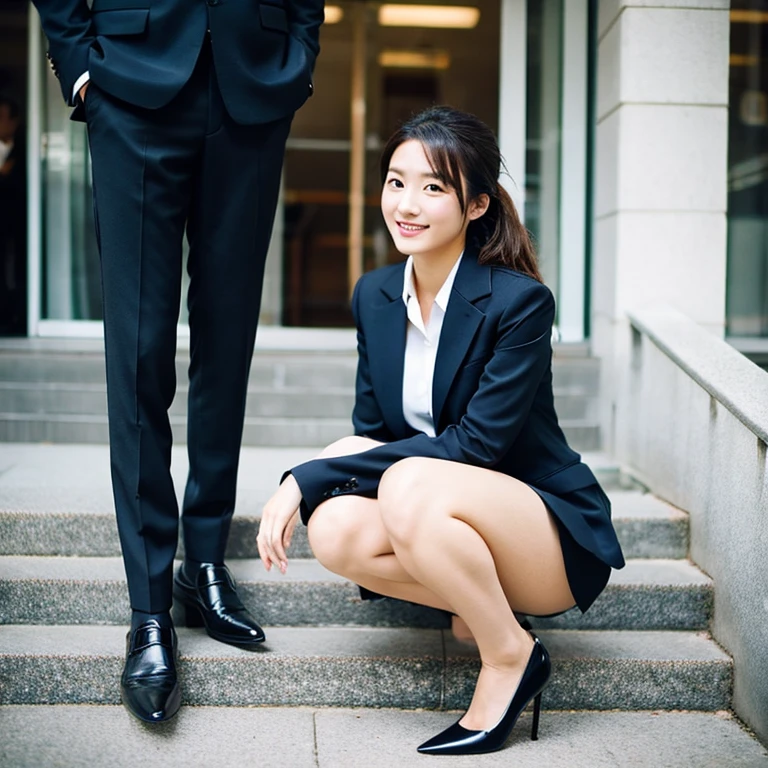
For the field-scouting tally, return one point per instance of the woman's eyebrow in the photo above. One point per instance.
(431, 175)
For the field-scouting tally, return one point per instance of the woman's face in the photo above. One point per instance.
(422, 214)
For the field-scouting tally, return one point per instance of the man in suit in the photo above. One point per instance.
(188, 105)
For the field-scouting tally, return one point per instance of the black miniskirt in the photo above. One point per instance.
(587, 573)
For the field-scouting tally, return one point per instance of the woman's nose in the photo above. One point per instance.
(407, 203)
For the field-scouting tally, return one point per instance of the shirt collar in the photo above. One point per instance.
(442, 295)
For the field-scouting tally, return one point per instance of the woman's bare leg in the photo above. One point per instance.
(457, 538)
(484, 543)
(348, 537)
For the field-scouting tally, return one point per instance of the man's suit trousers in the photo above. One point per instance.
(156, 174)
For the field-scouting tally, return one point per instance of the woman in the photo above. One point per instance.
(458, 490)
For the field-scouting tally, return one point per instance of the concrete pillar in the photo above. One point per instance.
(660, 183)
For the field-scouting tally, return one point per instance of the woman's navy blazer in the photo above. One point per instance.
(492, 399)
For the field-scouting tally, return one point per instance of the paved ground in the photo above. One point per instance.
(79, 736)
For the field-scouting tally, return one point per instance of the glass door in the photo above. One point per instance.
(379, 65)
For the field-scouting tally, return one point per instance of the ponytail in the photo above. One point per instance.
(502, 237)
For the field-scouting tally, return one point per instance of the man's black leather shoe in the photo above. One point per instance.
(148, 686)
(212, 601)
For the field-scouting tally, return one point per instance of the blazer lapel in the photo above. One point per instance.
(461, 322)
(386, 345)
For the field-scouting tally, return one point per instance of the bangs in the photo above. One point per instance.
(441, 147)
(443, 156)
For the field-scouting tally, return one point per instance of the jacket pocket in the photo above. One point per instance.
(121, 22)
(273, 17)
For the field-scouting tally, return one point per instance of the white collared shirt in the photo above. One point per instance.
(421, 350)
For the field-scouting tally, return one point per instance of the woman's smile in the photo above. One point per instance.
(408, 229)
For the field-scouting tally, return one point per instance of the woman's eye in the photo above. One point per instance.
(434, 188)
(396, 183)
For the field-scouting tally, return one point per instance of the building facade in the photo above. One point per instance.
(635, 137)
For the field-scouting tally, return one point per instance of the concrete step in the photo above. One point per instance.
(262, 431)
(92, 428)
(302, 390)
(404, 668)
(312, 737)
(647, 526)
(56, 399)
(81, 522)
(306, 368)
(281, 362)
(646, 594)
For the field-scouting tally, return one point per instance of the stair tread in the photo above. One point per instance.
(43, 479)
(637, 573)
(367, 642)
(628, 504)
(94, 496)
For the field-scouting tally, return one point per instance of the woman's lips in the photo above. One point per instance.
(410, 230)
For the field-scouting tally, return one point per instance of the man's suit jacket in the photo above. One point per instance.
(144, 51)
(492, 394)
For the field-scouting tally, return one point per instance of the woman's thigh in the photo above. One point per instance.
(417, 493)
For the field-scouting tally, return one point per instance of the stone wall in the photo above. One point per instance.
(661, 149)
(692, 424)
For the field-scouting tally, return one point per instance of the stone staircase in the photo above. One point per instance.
(642, 648)
(63, 607)
(301, 391)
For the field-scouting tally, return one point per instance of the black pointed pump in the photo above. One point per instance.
(458, 740)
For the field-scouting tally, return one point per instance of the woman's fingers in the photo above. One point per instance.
(289, 529)
(261, 543)
(278, 521)
(281, 538)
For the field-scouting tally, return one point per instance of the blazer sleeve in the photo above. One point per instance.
(67, 25)
(367, 418)
(304, 20)
(493, 419)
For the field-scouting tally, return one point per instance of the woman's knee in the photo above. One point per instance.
(406, 496)
(333, 532)
(346, 446)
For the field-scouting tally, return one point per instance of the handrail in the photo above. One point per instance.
(732, 379)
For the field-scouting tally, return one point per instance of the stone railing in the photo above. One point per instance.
(692, 424)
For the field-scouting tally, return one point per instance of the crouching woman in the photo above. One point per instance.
(458, 490)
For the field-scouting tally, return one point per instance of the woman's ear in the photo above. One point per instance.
(478, 207)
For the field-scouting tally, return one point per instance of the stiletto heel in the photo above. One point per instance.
(536, 713)
(458, 740)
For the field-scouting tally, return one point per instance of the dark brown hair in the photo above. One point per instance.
(459, 147)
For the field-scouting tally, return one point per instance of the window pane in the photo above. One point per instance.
(747, 286)
(543, 136)
(71, 283)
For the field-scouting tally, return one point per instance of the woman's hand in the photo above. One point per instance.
(278, 521)
(281, 512)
